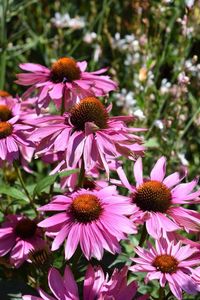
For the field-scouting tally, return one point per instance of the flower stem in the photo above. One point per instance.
(143, 236)
(161, 293)
(62, 106)
(19, 175)
(75, 260)
(81, 175)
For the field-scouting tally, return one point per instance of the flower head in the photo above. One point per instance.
(95, 219)
(97, 286)
(168, 262)
(12, 139)
(9, 106)
(88, 132)
(158, 199)
(19, 235)
(66, 79)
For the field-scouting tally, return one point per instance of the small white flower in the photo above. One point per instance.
(89, 37)
(183, 160)
(65, 21)
(189, 3)
(183, 79)
(97, 52)
(139, 113)
(159, 124)
(77, 23)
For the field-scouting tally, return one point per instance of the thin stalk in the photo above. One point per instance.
(189, 123)
(75, 260)
(161, 293)
(21, 180)
(158, 114)
(62, 106)
(143, 236)
(81, 175)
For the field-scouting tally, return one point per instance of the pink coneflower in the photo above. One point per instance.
(96, 286)
(66, 78)
(88, 132)
(12, 137)
(9, 106)
(12, 131)
(19, 235)
(95, 219)
(159, 201)
(168, 262)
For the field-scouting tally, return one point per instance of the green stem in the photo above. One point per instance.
(81, 175)
(19, 175)
(62, 106)
(190, 121)
(74, 261)
(161, 293)
(143, 236)
(168, 295)
(158, 114)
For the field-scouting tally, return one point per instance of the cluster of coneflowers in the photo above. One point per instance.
(91, 218)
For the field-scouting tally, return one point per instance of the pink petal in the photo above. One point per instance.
(57, 91)
(70, 284)
(184, 189)
(173, 179)
(44, 295)
(60, 237)
(72, 241)
(88, 291)
(3, 149)
(159, 170)
(54, 220)
(56, 284)
(34, 67)
(75, 148)
(138, 171)
(82, 65)
(124, 179)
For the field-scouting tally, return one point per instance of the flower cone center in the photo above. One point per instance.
(165, 263)
(86, 208)
(4, 94)
(65, 69)
(90, 109)
(5, 113)
(25, 228)
(5, 129)
(153, 196)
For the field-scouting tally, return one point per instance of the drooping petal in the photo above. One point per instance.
(138, 171)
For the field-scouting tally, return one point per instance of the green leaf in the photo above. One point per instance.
(43, 184)
(13, 192)
(152, 143)
(67, 173)
(49, 180)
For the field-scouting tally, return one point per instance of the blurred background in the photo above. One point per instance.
(151, 48)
